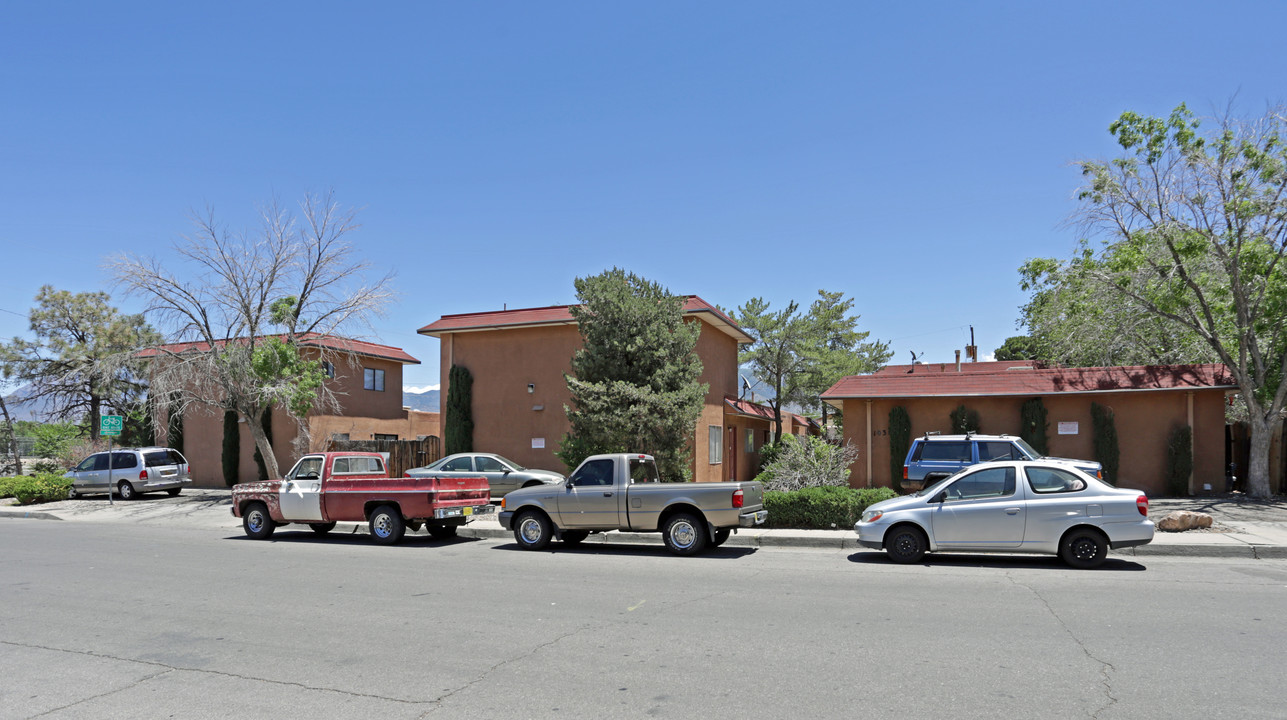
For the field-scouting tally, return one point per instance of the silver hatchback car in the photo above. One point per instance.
(1039, 506)
(129, 472)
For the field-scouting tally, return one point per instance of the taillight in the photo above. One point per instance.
(142, 474)
(738, 498)
(1141, 504)
(904, 472)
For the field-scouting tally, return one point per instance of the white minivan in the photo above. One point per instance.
(129, 472)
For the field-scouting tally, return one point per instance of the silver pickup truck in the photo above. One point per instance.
(624, 492)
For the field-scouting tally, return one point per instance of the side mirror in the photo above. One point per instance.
(939, 497)
(568, 483)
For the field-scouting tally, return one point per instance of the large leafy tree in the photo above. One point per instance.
(246, 320)
(80, 359)
(635, 381)
(1194, 229)
(801, 354)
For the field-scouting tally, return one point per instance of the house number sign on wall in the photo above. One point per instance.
(1067, 428)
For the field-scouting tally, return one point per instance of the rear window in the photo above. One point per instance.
(643, 471)
(959, 451)
(157, 458)
(358, 466)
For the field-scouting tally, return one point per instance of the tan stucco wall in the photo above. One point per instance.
(413, 425)
(1144, 423)
(504, 361)
(367, 409)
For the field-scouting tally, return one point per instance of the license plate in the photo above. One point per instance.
(469, 510)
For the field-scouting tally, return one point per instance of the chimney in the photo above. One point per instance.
(958, 361)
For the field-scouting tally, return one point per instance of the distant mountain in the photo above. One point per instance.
(22, 408)
(425, 399)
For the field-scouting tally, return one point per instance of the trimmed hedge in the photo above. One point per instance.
(821, 508)
(30, 490)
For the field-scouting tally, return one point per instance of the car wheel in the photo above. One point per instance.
(71, 493)
(442, 532)
(574, 537)
(322, 528)
(532, 531)
(720, 536)
(387, 525)
(1083, 549)
(685, 534)
(174, 492)
(259, 525)
(126, 491)
(906, 544)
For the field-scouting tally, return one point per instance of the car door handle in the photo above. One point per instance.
(1012, 511)
(607, 494)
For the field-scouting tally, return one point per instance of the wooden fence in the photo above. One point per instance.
(403, 454)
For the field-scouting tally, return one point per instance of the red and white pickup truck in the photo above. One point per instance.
(325, 488)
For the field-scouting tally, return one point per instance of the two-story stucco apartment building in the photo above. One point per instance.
(518, 359)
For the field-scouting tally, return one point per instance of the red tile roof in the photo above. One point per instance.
(357, 347)
(916, 382)
(562, 315)
(746, 408)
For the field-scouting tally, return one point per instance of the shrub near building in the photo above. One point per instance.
(807, 486)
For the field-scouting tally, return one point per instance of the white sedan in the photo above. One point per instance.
(1036, 506)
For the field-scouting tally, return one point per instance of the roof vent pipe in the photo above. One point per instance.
(958, 361)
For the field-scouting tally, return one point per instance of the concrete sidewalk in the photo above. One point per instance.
(1243, 527)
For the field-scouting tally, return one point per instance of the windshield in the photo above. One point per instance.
(513, 465)
(938, 485)
(1027, 449)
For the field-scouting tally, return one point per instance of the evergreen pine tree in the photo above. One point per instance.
(231, 448)
(634, 382)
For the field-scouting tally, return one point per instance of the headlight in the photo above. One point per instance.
(869, 516)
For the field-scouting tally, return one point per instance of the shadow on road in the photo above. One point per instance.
(308, 537)
(1034, 562)
(631, 550)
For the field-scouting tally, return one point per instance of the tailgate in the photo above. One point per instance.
(752, 496)
(460, 492)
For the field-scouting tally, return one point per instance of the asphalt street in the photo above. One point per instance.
(103, 620)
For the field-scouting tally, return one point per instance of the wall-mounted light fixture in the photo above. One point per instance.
(531, 387)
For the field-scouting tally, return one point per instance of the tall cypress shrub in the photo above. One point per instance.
(231, 447)
(1104, 428)
(964, 420)
(900, 441)
(1179, 460)
(1033, 426)
(265, 421)
(458, 421)
(174, 428)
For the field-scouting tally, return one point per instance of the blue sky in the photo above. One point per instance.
(911, 155)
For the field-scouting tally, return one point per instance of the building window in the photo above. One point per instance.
(716, 444)
(384, 436)
(750, 441)
(373, 379)
(328, 368)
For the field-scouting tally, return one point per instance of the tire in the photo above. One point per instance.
(322, 528)
(906, 544)
(126, 491)
(259, 525)
(685, 534)
(71, 493)
(532, 530)
(720, 536)
(174, 492)
(572, 538)
(387, 525)
(442, 532)
(1083, 549)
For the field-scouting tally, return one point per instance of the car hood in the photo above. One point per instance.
(545, 476)
(899, 503)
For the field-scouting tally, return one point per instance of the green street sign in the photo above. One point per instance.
(111, 425)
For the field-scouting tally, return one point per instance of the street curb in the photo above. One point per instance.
(9, 512)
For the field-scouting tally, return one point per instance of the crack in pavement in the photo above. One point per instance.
(508, 661)
(1105, 668)
(82, 701)
(220, 673)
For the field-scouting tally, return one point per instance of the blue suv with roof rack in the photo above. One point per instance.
(933, 457)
